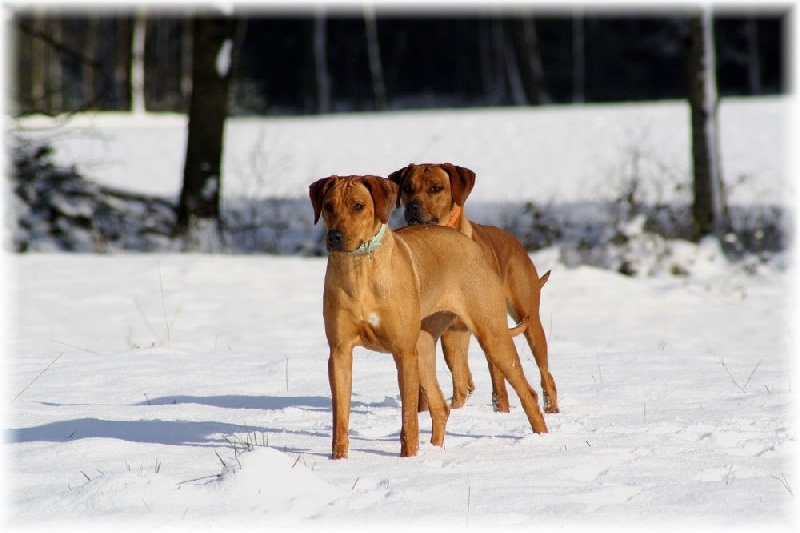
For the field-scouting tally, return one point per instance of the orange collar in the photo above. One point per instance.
(454, 217)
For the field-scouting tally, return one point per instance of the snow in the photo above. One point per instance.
(553, 153)
(191, 391)
(151, 386)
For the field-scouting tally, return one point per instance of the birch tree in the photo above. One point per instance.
(137, 64)
(374, 54)
(322, 74)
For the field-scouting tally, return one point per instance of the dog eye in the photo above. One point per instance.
(358, 206)
(328, 207)
(407, 189)
(436, 188)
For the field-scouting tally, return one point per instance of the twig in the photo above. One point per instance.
(469, 502)
(785, 483)
(37, 377)
(220, 458)
(743, 389)
(731, 376)
(790, 333)
(78, 347)
(163, 304)
(214, 476)
(753, 372)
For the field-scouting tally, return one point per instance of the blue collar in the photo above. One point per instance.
(372, 244)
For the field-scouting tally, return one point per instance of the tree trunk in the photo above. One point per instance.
(211, 61)
(55, 71)
(492, 88)
(530, 61)
(26, 100)
(186, 62)
(374, 53)
(578, 58)
(122, 63)
(512, 71)
(89, 54)
(137, 64)
(707, 207)
(321, 63)
(753, 59)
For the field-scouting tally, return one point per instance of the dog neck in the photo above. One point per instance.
(453, 221)
(372, 244)
(459, 222)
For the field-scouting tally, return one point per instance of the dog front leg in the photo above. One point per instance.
(340, 375)
(408, 380)
(426, 349)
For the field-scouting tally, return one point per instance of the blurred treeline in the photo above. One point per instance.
(320, 62)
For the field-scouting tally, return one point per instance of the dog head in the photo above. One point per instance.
(353, 208)
(431, 191)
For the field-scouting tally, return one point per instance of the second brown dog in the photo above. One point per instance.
(435, 194)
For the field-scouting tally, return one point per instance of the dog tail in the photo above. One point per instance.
(544, 278)
(521, 326)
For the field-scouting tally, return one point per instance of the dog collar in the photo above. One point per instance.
(454, 217)
(372, 244)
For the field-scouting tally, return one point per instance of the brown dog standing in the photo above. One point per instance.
(396, 292)
(435, 194)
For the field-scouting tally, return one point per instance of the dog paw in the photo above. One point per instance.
(458, 402)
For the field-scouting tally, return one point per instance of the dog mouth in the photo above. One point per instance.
(416, 221)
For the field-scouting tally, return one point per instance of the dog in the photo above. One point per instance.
(435, 194)
(396, 292)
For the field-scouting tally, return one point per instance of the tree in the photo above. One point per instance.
(139, 34)
(212, 51)
(374, 55)
(707, 206)
(578, 57)
(122, 63)
(322, 76)
(530, 60)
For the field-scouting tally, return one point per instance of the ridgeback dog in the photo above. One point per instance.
(435, 194)
(396, 292)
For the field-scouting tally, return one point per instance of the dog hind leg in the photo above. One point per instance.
(455, 345)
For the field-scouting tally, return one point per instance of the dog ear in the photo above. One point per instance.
(384, 195)
(398, 177)
(317, 191)
(461, 182)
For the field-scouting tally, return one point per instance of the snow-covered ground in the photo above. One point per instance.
(676, 403)
(164, 390)
(557, 153)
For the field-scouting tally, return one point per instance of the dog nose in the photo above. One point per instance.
(412, 209)
(334, 237)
